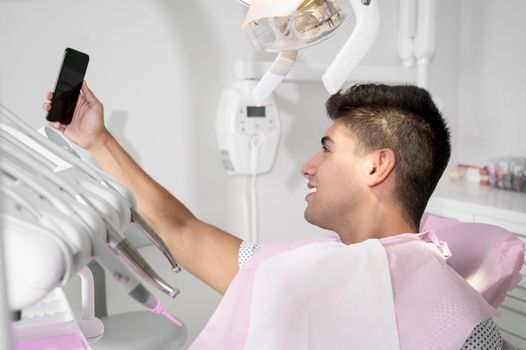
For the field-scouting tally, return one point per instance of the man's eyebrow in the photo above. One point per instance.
(326, 139)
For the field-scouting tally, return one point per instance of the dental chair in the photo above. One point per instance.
(488, 257)
(139, 330)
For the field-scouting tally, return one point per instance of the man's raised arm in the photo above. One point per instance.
(204, 250)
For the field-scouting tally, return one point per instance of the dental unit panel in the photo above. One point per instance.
(110, 203)
(107, 201)
(116, 240)
(58, 139)
(10, 133)
(117, 243)
(59, 192)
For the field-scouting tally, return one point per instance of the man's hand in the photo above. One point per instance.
(87, 127)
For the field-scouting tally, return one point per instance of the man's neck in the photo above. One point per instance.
(382, 223)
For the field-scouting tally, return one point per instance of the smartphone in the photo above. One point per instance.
(67, 89)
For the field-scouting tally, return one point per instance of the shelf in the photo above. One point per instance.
(469, 198)
(312, 72)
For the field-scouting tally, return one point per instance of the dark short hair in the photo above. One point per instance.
(404, 119)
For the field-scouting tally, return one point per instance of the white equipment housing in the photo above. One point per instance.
(247, 133)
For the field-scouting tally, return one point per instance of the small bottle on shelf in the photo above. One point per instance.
(484, 176)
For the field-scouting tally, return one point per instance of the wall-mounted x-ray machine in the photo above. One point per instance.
(247, 132)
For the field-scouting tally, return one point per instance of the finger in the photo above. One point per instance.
(46, 106)
(49, 96)
(58, 126)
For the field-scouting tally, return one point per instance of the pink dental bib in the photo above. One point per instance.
(326, 296)
(395, 293)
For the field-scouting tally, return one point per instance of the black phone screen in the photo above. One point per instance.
(67, 89)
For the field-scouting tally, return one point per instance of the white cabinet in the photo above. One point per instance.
(470, 202)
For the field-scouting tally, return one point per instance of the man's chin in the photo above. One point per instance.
(307, 218)
(313, 219)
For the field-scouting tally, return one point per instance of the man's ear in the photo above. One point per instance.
(380, 164)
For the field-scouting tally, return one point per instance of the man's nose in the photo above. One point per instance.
(309, 168)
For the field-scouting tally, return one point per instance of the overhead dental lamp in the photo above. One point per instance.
(289, 25)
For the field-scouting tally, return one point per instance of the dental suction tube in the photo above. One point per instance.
(361, 39)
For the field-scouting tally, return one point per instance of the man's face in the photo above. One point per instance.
(336, 180)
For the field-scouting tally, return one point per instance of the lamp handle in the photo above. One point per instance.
(360, 41)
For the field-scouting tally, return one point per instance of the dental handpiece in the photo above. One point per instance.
(136, 290)
(136, 217)
(154, 238)
(121, 246)
(109, 261)
(119, 271)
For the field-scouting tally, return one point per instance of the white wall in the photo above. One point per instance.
(159, 67)
(491, 81)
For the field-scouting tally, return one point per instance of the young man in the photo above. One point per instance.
(379, 164)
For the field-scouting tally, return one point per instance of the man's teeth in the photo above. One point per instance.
(313, 189)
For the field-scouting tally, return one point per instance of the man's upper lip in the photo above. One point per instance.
(310, 185)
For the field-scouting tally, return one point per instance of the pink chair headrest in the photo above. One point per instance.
(488, 257)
